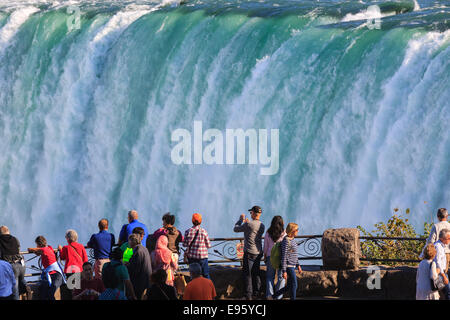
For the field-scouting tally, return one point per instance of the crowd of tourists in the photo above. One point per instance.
(144, 266)
(432, 275)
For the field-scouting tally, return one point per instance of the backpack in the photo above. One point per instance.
(275, 255)
(151, 239)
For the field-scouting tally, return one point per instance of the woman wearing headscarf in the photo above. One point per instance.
(162, 258)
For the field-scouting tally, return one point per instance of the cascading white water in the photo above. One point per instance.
(86, 117)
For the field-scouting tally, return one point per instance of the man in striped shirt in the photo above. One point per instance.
(196, 241)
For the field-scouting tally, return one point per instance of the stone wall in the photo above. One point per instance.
(395, 283)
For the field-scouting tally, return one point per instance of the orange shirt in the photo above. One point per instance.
(199, 289)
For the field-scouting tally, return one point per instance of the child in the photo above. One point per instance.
(52, 276)
(289, 261)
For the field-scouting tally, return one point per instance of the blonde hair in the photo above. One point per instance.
(71, 235)
(429, 252)
(291, 228)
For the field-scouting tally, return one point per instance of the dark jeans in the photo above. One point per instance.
(251, 270)
(46, 291)
(204, 264)
(291, 284)
(21, 283)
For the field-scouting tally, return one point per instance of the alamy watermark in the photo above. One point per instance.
(74, 19)
(213, 147)
(374, 23)
(374, 279)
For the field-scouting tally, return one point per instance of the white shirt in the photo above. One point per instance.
(426, 272)
(434, 236)
(440, 259)
(434, 233)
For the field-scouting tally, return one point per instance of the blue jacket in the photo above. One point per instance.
(127, 229)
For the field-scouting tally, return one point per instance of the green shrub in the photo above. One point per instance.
(397, 226)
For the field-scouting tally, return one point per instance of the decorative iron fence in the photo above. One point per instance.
(228, 250)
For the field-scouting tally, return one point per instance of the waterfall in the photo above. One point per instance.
(86, 114)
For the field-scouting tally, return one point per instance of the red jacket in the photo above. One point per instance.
(75, 255)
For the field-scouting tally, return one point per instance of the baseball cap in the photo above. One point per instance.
(256, 209)
(197, 217)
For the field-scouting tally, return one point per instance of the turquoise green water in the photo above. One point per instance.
(86, 115)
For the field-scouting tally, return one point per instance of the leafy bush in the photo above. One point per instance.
(397, 226)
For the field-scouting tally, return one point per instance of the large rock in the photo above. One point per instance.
(341, 249)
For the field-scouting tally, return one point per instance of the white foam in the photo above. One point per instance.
(392, 168)
(15, 21)
(118, 23)
(370, 13)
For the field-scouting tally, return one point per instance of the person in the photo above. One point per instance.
(102, 243)
(10, 252)
(90, 287)
(441, 258)
(52, 277)
(274, 234)
(7, 281)
(111, 281)
(253, 232)
(170, 231)
(127, 229)
(442, 215)
(139, 266)
(162, 258)
(74, 256)
(159, 290)
(426, 273)
(196, 241)
(289, 261)
(125, 247)
(121, 273)
(199, 288)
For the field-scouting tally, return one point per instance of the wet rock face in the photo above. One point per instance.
(341, 249)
